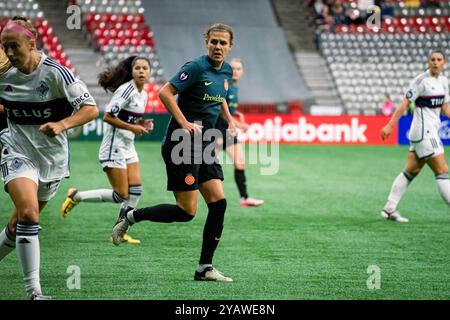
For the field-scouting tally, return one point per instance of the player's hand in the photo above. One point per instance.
(232, 130)
(243, 126)
(192, 128)
(386, 131)
(147, 124)
(52, 129)
(139, 130)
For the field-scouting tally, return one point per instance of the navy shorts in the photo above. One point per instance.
(188, 176)
(227, 139)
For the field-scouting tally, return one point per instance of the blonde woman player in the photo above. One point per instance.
(42, 100)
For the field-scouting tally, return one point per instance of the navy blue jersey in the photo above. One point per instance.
(232, 98)
(232, 101)
(201, 90)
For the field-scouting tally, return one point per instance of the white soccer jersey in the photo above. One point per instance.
(128, 104)
(49, 94)
(428, 93)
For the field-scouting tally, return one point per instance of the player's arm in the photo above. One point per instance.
(225, 113)
(446, 109)
(387, 129)
(2, 109)
(445, 106)
(167, 95)
(240, 123)
(117, 123)
(85, 113)
(240, 116)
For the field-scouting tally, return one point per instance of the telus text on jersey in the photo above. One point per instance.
(28, 113)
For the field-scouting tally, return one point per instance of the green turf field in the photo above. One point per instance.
(314, 238)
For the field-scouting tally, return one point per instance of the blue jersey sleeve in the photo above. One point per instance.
(186, 76)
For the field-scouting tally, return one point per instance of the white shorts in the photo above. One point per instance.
(21, 167)
(129, 156)
(429, 147)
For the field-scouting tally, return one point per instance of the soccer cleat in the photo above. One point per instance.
(128, 239)
(211, 274)
(69, 203)
(121, 227)
(38, 296)
(250, 202)
(394, 216)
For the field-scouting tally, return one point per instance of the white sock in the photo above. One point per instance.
(202, 267)
(397, 191)
(28, 252)
(99, 195)
(7, 243)
(134, 194)
(444, 187)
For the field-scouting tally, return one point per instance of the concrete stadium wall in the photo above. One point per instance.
(271, 75)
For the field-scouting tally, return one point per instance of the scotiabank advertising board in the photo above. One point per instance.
(305, 129)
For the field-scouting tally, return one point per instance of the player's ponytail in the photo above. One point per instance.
(114, 77)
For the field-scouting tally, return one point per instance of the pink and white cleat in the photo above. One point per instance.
(250, 202)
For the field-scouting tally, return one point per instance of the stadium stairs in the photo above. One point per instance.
(298, 28)
(318, 77)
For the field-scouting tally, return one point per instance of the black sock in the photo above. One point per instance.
(165, 213)
(239, 176)
(212, 230)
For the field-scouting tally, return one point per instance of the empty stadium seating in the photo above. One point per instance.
(47, 40)
(117, 29)
(368, 63)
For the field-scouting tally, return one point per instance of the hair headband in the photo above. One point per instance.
(19, 28)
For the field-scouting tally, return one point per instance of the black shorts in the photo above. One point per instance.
(188, 177)
(227, 139)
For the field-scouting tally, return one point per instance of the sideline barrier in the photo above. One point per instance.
(405, 123)
(291, 129)
(93, 131)
(306, 129)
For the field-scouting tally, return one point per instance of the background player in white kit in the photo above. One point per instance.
(118, 157)
(430, 93)
(39, 96)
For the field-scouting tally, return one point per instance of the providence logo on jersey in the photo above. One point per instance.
(218, 98)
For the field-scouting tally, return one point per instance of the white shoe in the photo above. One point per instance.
(394, 216)
(211, 274)
(38, 296)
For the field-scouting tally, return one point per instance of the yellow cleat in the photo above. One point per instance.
(128, 239)
(69, 203)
